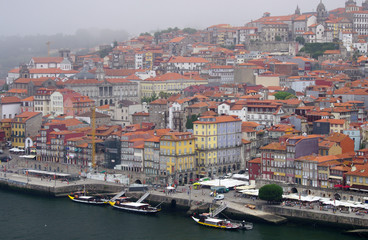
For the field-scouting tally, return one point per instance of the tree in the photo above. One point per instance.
(190, 120)
(5, 87)
(278, 39)
(189, 30)
(104, 52)
(300, 40)
(317, 49)
(282, 95)
(165, 95)
(271, 193)
(145, 34)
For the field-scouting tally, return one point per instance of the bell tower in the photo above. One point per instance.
(100, 73)
(24, 71)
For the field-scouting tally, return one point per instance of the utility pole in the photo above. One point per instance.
(93, 120)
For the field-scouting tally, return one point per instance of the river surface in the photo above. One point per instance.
(35, 217)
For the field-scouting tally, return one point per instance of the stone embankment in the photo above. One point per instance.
(192, 201)
(348, 220)
(201, 203)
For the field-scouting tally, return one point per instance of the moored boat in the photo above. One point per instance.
(136, 207)
(214, 222)
(95, 200)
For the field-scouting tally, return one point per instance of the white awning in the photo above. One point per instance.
(335, 177)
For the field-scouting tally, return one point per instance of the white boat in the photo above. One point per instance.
(206, 220)
(95, 200)
(135, 207)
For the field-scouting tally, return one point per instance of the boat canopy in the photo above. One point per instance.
(135, 204)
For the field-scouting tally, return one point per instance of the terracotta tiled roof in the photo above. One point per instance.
(256, 160)
(336, 137)
(48, 59)
(180, 59)
(358, 170)
(5, 100)
(275, 146)
(159, 101)
(18, 90)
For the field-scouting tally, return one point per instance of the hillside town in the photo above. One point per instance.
(280, 99)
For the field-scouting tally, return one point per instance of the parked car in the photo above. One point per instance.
(219, 197)
(220, 189)
(4, 158)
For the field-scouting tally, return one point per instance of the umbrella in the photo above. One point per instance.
(338, 186)
(14, 150)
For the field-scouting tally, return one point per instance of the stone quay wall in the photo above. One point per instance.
(319, 217)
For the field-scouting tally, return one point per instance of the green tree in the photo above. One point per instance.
(145, 34)
(164, 95)
(317, 49)
(189, 30)
(154, 97)
(5, 87)
(271, 193)
(191, 120)
(356, 55)
(300, 40)
(104, 52)
(278, 39)
(230, 47)
(282, 95)
(290, 96)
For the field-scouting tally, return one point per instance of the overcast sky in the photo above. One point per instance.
(23, 17)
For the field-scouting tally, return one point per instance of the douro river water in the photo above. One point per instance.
(34, 217)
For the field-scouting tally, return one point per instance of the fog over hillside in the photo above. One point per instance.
(19, 49)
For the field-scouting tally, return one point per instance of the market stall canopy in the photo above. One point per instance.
(228, 183)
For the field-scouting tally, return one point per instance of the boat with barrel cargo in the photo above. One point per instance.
(226, 224)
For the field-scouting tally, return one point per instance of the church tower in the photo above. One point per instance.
(321, 13)
(100, 73)
(297, 10)
(24, 71)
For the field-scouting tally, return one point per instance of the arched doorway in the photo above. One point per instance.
(294, 190)
(337, 196)
(138, 181)
(180, 179)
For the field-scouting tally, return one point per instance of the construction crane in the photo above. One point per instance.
(48, 43)
(93, 121)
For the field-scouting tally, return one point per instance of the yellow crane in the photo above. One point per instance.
(93, 121)
(48, 43)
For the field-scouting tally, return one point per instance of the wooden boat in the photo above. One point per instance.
(206, 220)
(136, 207)
(95, 200)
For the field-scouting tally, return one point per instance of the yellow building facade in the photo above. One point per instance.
(5, 125)
(170, 83)
(18, 132)
(177, 149)
(206, 144)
